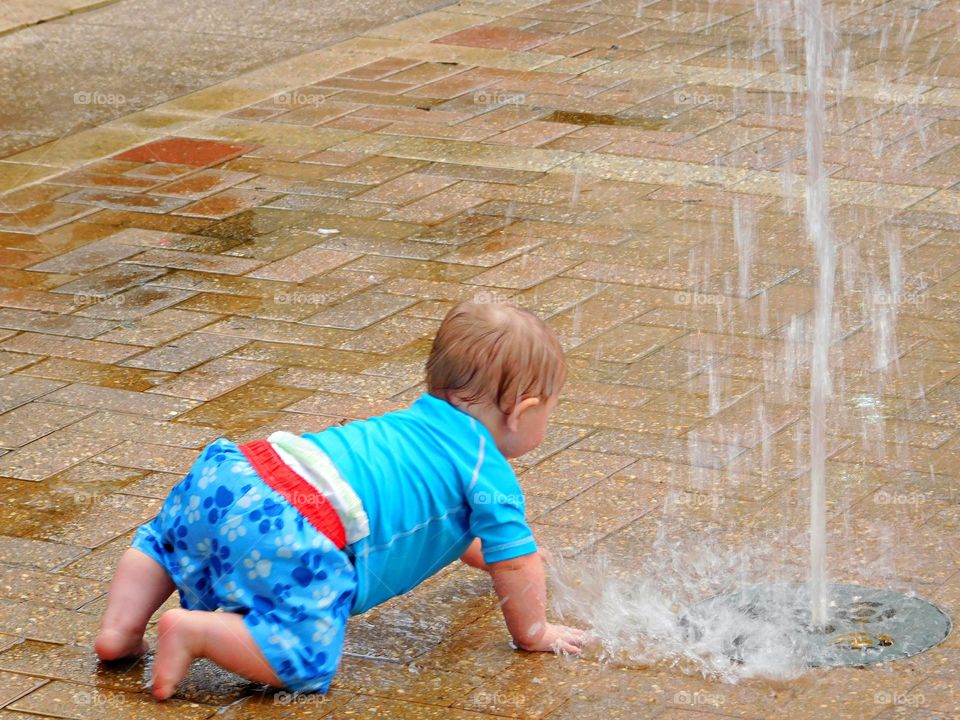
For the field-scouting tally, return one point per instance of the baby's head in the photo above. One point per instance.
(501, 364)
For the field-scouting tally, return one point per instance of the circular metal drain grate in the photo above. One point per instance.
(867, 625)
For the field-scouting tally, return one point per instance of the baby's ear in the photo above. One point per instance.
(513, 417)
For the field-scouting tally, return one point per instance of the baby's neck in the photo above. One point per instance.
(488, 415)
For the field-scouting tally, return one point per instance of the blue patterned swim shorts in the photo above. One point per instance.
(230, 542)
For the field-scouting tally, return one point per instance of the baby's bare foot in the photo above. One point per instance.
(176, 639)
(114, 644)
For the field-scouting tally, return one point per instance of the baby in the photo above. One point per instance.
(291, 535)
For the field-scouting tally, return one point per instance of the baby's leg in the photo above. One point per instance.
(185, 635)
(139, 587)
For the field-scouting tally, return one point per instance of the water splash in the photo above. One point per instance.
(654, 617)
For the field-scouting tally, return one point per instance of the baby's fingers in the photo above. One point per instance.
(569, 640)
(564, 647)
(573, 635)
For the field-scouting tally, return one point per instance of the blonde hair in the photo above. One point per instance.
(494, 352)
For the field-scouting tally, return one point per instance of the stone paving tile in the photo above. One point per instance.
(94, 563)
(74, 348)
(227, 203)
(16, 390)
(607, 504)
(533, 134)
(185, 352)
(91, 256)
(102, 284)
(11, 362)
(503, 158)
(47, 624)
(201, 184)
(180, 260)
(149, 456)
(46, 216)
(303, 265)
(406, 188)
(286, 306)
(53, 324)
(159, 327)
(522, 691)
(34, 420)
(14, 175)
(6, 641)
(360, 310)
(522, 272)
(411, 249)
(494, 36)
(366, 386)
(276, 331)
(73, 488)
(13, 686)
(92, 527)
(115, 200)
(79, 702)
(480, 649)
(387, 680)
(115, 399)
(185, 151)
(23, 585)
(271, 705)
(69, 663)
(311, 358)
(642, 420)
(35, 300)
(249, 406)
(94, 373)
(155, 238)
(212, 378)
(131, 304)
(437, 207)
(343, 406)
(390, 335)
(627, 343)
(491, 250)
(36, 553)
(570, 472)
(617, 693)
(156, 485)
(90, 178)
(51, 454)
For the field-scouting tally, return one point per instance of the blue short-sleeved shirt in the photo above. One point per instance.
(431, 480)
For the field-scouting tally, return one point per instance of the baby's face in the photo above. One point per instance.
(531, 429)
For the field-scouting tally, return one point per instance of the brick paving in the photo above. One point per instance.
(282, 259)
(18, 15)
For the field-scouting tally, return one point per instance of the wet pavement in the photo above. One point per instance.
(95, 61)
(275, 251)
(17, 14)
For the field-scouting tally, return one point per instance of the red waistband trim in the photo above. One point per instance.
(309, 501)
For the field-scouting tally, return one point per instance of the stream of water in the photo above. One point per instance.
(653, 608)
(819, 233)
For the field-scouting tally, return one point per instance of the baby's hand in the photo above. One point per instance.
(559, 639)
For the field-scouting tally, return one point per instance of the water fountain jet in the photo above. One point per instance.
(833, 624)
(754, 621)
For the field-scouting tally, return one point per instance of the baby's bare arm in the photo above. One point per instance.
(521, 585)
(474, 556)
